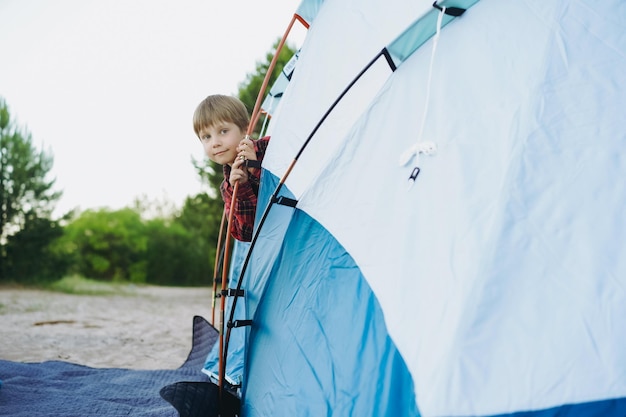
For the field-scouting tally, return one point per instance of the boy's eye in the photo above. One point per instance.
(224, 131)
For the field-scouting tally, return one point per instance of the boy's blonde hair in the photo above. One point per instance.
(220, 108)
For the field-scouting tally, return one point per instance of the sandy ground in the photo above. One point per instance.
(150, 328)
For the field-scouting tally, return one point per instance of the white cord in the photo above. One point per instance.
(428, 148)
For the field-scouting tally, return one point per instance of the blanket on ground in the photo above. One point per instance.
(63, 389)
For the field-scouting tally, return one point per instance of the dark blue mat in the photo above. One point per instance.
(64, 389)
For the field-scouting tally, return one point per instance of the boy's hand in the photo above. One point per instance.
(237, 173)
(245, 150)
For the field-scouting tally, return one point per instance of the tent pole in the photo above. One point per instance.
(223, 348)
(222, 354)
(216, 266)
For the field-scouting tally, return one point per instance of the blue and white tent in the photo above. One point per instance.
(491, 283)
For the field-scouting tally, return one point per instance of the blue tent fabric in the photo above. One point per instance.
(357, 371)
(605, 408)
(64, 389)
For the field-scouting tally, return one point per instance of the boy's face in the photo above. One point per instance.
(220, 142)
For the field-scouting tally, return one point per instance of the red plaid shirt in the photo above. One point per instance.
(245, 205)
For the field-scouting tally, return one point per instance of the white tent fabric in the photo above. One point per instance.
(501, 273)
(272, 99)
(345, 36)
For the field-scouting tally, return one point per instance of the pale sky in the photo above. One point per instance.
(110, 86)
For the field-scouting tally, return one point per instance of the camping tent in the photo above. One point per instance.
(490, 281)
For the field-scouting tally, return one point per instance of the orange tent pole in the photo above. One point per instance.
(222, 354)
(216, 266)
(253, 121)
(255, 112)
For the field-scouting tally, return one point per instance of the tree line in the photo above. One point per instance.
(125, 245)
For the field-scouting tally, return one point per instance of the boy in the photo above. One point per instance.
(221, 122)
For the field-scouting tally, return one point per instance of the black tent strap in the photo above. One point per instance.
(239, 323)
(285, 201)
(231, 292)
(252, 164)
(450, 11)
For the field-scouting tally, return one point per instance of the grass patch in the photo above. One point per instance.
(84, 286)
